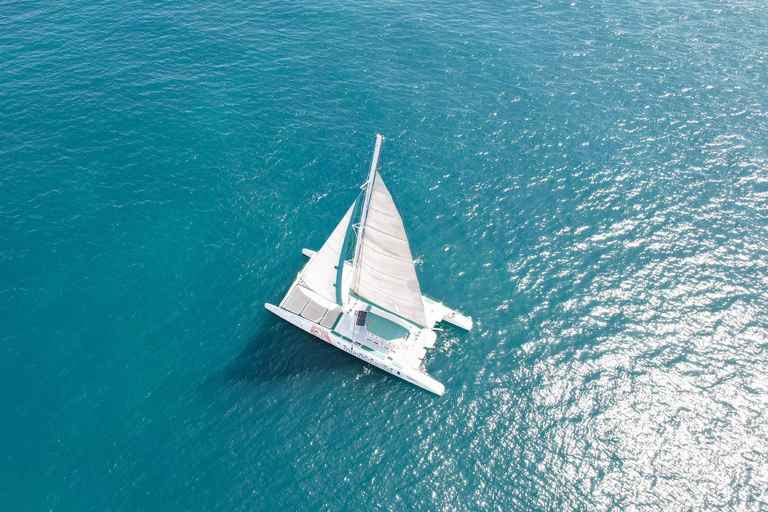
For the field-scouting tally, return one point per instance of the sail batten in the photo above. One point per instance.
(389, 234)
(385, 214)
(389, 254)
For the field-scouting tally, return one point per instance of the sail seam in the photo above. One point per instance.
(415, 306)
(388, 234)
(388, 255)
(379, 306)
(408, 301)
(373, 269)
(396, 217)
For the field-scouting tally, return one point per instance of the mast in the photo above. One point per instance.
(366, 203)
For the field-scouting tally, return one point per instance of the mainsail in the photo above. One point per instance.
(385, 274)
(319, 275)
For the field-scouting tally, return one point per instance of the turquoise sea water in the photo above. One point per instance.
(587, 179)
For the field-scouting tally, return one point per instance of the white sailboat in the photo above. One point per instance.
(367, 301)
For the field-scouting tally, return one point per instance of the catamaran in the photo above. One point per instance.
(359, 292)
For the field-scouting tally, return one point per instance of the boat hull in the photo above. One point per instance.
(415, 377)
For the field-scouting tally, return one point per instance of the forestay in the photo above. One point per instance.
(385, 275)
(319, 275)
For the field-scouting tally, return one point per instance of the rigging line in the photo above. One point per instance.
(343, 252)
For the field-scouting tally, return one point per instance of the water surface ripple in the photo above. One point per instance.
(587, 179)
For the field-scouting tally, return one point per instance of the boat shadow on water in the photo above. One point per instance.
(280, 352)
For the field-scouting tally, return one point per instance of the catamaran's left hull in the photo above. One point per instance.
(407, 374)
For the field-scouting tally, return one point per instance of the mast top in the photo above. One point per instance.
(375, 161)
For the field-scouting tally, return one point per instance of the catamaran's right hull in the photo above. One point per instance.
(407, 374)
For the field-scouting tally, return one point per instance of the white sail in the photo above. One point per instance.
(385, 275)
(319, 275)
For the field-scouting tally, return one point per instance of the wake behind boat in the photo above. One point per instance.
(360, 292)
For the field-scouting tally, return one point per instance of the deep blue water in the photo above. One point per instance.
(587, 179)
